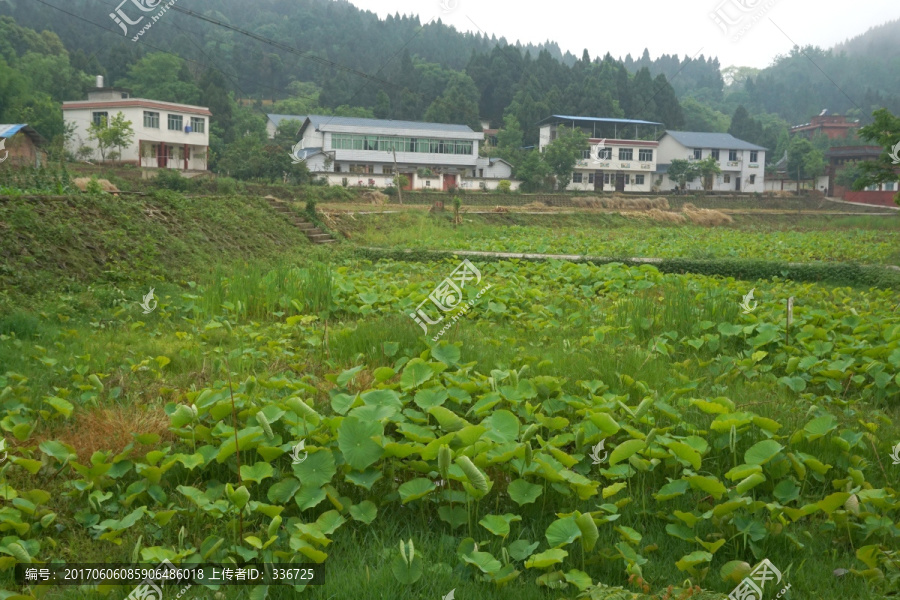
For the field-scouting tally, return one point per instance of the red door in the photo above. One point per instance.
(162, 156)
(449, 182)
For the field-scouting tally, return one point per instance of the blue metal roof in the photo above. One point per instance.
(598, 120)
(713, 141)
(7, 131)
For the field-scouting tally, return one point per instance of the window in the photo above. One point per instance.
(627, 179)
(698, 153)
(639, 180)
(754, 156)
(645, 155)
(606, 178)
(732, 155)
(626, 153)
(604, 154)
(198, 124)
(176, 122)
(715, 154)
(585, 154)
(726, 178)
(100, 118)
(577, 177)
(428, 183)
(752, 179)
(889, 187)
(360, 169)
(590, 178)
(387, 170)
(379, 143)
(151, 120)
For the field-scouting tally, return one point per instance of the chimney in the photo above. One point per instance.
(99, 81)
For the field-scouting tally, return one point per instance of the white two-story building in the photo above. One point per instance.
(166, 134)
(370, 152)
(615, 161)
(743, 164)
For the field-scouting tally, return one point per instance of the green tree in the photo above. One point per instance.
(682, 171)
(509, 140)
(708, 168)
(744, 127)
(113, 133)
(884, 131)
(700, 117)
(161, 76)
(458, 104)
(382, 108)
(564, 152)
(804, 160)
(533, 172)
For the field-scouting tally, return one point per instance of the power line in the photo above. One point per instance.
(306, 55)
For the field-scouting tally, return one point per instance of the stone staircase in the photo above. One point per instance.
(313, 233)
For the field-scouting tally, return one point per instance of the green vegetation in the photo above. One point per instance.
(464, 464)
(868, 240)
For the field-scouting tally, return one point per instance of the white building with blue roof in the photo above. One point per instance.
(743, 164)
(370, 152)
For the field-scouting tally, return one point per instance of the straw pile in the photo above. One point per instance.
(374, 197)
(706, 217)
(82, 182)
(664, 216)
(621, 203)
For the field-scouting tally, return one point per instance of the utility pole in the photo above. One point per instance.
(397, 175)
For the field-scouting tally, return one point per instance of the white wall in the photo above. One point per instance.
(670, 149)
(81, 119)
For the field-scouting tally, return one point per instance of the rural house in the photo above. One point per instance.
(21, 146)
(614, 161)
(742, 163)
(167, 135)
(369, 152)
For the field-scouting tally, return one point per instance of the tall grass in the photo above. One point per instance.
(256, 292)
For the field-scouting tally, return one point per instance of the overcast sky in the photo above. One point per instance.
(662, 26)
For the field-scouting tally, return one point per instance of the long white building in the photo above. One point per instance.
(166, 134)
(370, 152)
(743, 164)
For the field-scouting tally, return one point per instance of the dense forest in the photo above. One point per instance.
(327, 56)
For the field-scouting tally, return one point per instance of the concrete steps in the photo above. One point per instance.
(313, 233)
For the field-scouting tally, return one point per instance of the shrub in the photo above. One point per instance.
(21, 324)
(93, 186)
(504, 186)
(171, 179)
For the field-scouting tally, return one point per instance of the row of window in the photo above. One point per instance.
(346, 141)
(151, 121)
(607, 178)
(732, 155)
(727, 178)
(644, 154)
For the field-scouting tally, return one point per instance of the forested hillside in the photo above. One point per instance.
(327, 56)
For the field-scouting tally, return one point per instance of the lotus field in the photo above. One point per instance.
(600, 432)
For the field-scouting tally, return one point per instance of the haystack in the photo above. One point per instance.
(705, 216)
(374, 197)
(82, 182)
